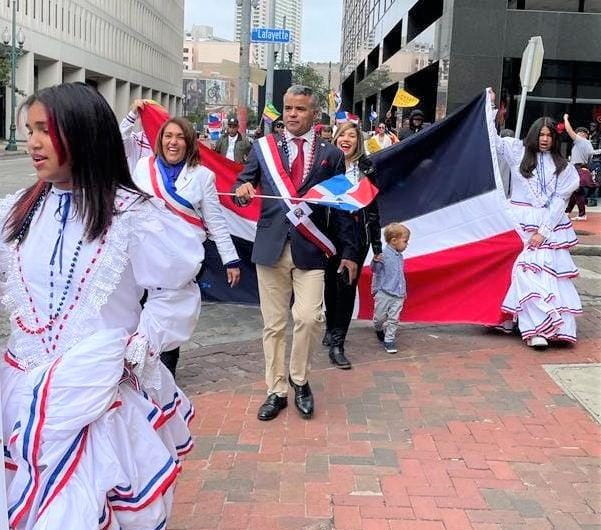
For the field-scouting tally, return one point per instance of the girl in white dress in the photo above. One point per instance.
(542, 297)
(93, 423)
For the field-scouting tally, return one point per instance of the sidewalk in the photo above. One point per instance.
(21, 150)
(589, 233)
(462, 430)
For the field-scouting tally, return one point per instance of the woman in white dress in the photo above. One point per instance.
(175, 175)
(93, 423)
(542, 298)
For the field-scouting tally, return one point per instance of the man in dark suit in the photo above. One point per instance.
(292, 244)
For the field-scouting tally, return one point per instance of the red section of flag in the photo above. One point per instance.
(226, 171)
(463, 284)
(152, 116)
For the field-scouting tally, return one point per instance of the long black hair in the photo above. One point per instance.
(531, 144)
(85, 132)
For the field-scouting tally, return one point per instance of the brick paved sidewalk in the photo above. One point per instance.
(589, 231)
(463, 430)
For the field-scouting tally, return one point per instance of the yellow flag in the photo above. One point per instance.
(402, 98)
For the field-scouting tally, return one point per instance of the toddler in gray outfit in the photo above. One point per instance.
(388, 284)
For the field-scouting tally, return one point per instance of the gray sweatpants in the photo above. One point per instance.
(387, 309)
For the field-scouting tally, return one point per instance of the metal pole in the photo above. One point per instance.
(269, 79)
(12, 140)
(283, 46)
(244, 78)
(520, 118)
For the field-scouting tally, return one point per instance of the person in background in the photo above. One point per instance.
(504, 168)
(233, 145)
(416, 124)
(390, 122)
(380, 140)
(278, 127)
(541, 297)
(339, 295)
(388, 285)
(582, 153)
(82, 374)
(326, 133)
(175, 175)
(292, 244)
(136, 143)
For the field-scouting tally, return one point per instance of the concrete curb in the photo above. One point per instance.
(586, 250)
(12, 154)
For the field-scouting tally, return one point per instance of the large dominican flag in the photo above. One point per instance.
(242, 223)
(444, 184)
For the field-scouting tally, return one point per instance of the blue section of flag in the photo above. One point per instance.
(341, 116)
(447, 163)
(212, 277)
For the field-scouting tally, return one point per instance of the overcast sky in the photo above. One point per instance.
(321, 24)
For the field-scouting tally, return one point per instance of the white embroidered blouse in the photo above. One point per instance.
(102, 282)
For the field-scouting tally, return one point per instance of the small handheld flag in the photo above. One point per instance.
(339, 192)
(334, 101)
(214, 121)
(270, 113)
(402, 98)
(373, 115)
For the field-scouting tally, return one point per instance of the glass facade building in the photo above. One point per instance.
(446, 51)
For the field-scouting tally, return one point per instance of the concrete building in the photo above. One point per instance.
(211, 74)
(446, 51)
(330, 72)
(288, 15)
(128, 49)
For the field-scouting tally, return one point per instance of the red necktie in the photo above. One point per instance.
(297, 169)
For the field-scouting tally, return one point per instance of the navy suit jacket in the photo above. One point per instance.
(274, 229)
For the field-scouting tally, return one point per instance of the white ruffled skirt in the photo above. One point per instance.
(86, 447)
(542, 297)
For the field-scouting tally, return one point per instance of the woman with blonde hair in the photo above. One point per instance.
(339, 292)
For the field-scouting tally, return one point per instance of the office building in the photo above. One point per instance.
(128, 49)
(446, 51)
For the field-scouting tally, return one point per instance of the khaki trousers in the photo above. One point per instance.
(276, 286)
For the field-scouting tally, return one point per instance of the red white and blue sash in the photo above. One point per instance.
(297, 211)
(164, 189)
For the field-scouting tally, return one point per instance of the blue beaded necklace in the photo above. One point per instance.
(62, 216)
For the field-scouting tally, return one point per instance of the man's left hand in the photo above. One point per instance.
(349, 265)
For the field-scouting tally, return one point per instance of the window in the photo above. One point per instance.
(592, 6)
(566, 6)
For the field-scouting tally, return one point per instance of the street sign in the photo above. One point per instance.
(270, 35)
(530, 69)
(532, 63)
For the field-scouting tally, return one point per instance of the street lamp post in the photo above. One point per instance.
(244, 76)
(13, 39)
(290, 49)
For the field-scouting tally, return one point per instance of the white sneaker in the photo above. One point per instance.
(539, 343)
(579, 218)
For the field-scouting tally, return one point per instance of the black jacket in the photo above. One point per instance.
(274, 229)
